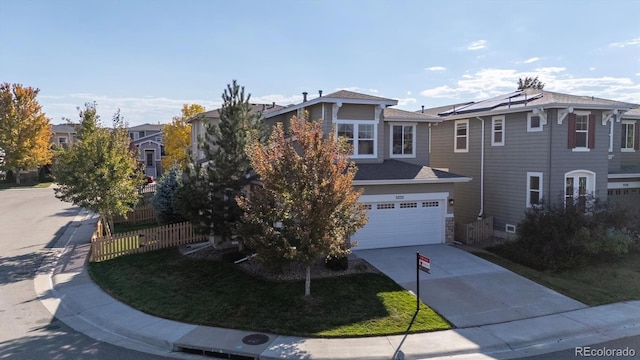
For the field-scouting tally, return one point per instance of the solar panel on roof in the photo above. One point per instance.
(514, 98)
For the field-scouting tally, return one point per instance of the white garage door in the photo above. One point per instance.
(402, 223)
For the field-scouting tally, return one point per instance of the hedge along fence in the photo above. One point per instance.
(141, 215)
(133, 242)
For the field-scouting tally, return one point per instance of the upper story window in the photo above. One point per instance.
(497, 131)
(461, 136)
(361, 135)
(581, 131)
(62, 141)
(535, 122)
(629, 136)
(403, 139)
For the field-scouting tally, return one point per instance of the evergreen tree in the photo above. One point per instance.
(209, 193)
(530, 83)
(164, 200)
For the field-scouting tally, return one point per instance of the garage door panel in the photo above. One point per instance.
(394, 224)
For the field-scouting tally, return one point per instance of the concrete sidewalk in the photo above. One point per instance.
(67, 291)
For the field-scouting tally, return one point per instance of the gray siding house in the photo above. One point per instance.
(532, 147)
(408, 202)
(147, 138)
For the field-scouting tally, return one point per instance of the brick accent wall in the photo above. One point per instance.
(449, 228)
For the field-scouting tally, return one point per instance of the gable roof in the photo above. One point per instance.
(215, 113)
(391, 114)
(340, 96)
(523, 100)
(632, 114)
(394, 171)
(64, 128)
(145, 127)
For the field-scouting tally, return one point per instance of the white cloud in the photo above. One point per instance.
(477, 45)
(632, 42)
(592, 68)
(491, 82)
(637, 74)
(375, 91)
(531, 60)
(406, 101)
(409, 91)
(436, 68)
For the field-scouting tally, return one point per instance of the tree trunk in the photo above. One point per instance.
(307, 282)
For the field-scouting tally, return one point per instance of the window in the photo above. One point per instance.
(511, 229)
(430, 203)
(403, 138)
(628, 136)
(141, 133)
(461, 139)
(408, 205)
(62, 141)
(579, 188)
(534, 189)
(361, 135)
(582, 131)
(535, 122)
(497, 131)
(582, 126)
(149, 157)
(385, 206)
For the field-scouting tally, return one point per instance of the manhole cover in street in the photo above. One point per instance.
(255, 339)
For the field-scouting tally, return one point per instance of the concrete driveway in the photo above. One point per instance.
(466, 289)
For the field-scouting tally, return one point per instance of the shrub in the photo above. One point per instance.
(164, 200)
(559, 237)
(340, 263)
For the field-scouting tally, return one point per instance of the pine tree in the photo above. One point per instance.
(208, 196)
(25, 131)
(530, 83)
(164, 200)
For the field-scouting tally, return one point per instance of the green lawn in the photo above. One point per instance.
(11, 185)
(213, 293)
(123, 228)
(601, 283)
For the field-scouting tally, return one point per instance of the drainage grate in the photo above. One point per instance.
(215, 354)
(255, 339)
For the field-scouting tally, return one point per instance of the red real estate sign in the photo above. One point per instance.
(424, 263)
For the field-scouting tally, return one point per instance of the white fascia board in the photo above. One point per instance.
(415, 120)
(328, 100)
(623, 185)
(623, 176)
(404, 197)
(530, 108)
(411, 181)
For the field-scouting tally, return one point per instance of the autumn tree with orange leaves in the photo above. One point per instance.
(177, 137)
(307, 208)
(25, 131)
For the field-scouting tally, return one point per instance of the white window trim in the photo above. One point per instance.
(542, 115)
(65, 140)
(611, 135)
(540, 177)
(591, 186)
(455, 136)
(582, 148)
(493, 130)
(413, 131)
(356, 124)
(509, 228)
(633, 132)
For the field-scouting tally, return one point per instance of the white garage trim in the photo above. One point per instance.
(403, 197)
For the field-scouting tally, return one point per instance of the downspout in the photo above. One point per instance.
(550, 123)
(481, 214)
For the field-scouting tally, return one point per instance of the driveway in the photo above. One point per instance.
(466, 289)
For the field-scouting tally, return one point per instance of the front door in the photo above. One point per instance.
(579, 188)
(150, 163)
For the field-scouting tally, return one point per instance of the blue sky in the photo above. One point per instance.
(150, 57)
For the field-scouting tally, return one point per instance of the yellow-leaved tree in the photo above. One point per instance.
(308, 207)
(177, 137)
(25, 131)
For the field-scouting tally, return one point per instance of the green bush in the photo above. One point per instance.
(164, 200)
(559, 238)
(337, 263)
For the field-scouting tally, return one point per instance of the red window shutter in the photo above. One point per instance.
(592, 131)
(572, 131)
(636, 138)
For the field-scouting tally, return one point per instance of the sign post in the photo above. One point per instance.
(422, 263)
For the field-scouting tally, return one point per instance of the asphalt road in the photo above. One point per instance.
(30, 222)
(632, 343)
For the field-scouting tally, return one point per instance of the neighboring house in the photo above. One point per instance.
(144, 130)
(150, 150)
(64, 134)
(535, 147)
(408, 202)
(200, 122)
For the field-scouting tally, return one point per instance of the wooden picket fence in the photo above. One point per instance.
(133, 242)
(477, 233)
(140, 215)
(148, 188)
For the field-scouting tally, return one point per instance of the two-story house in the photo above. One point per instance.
(407, 202)
(534, 147)
(624, 162)
(63, 134)
(147, 138)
